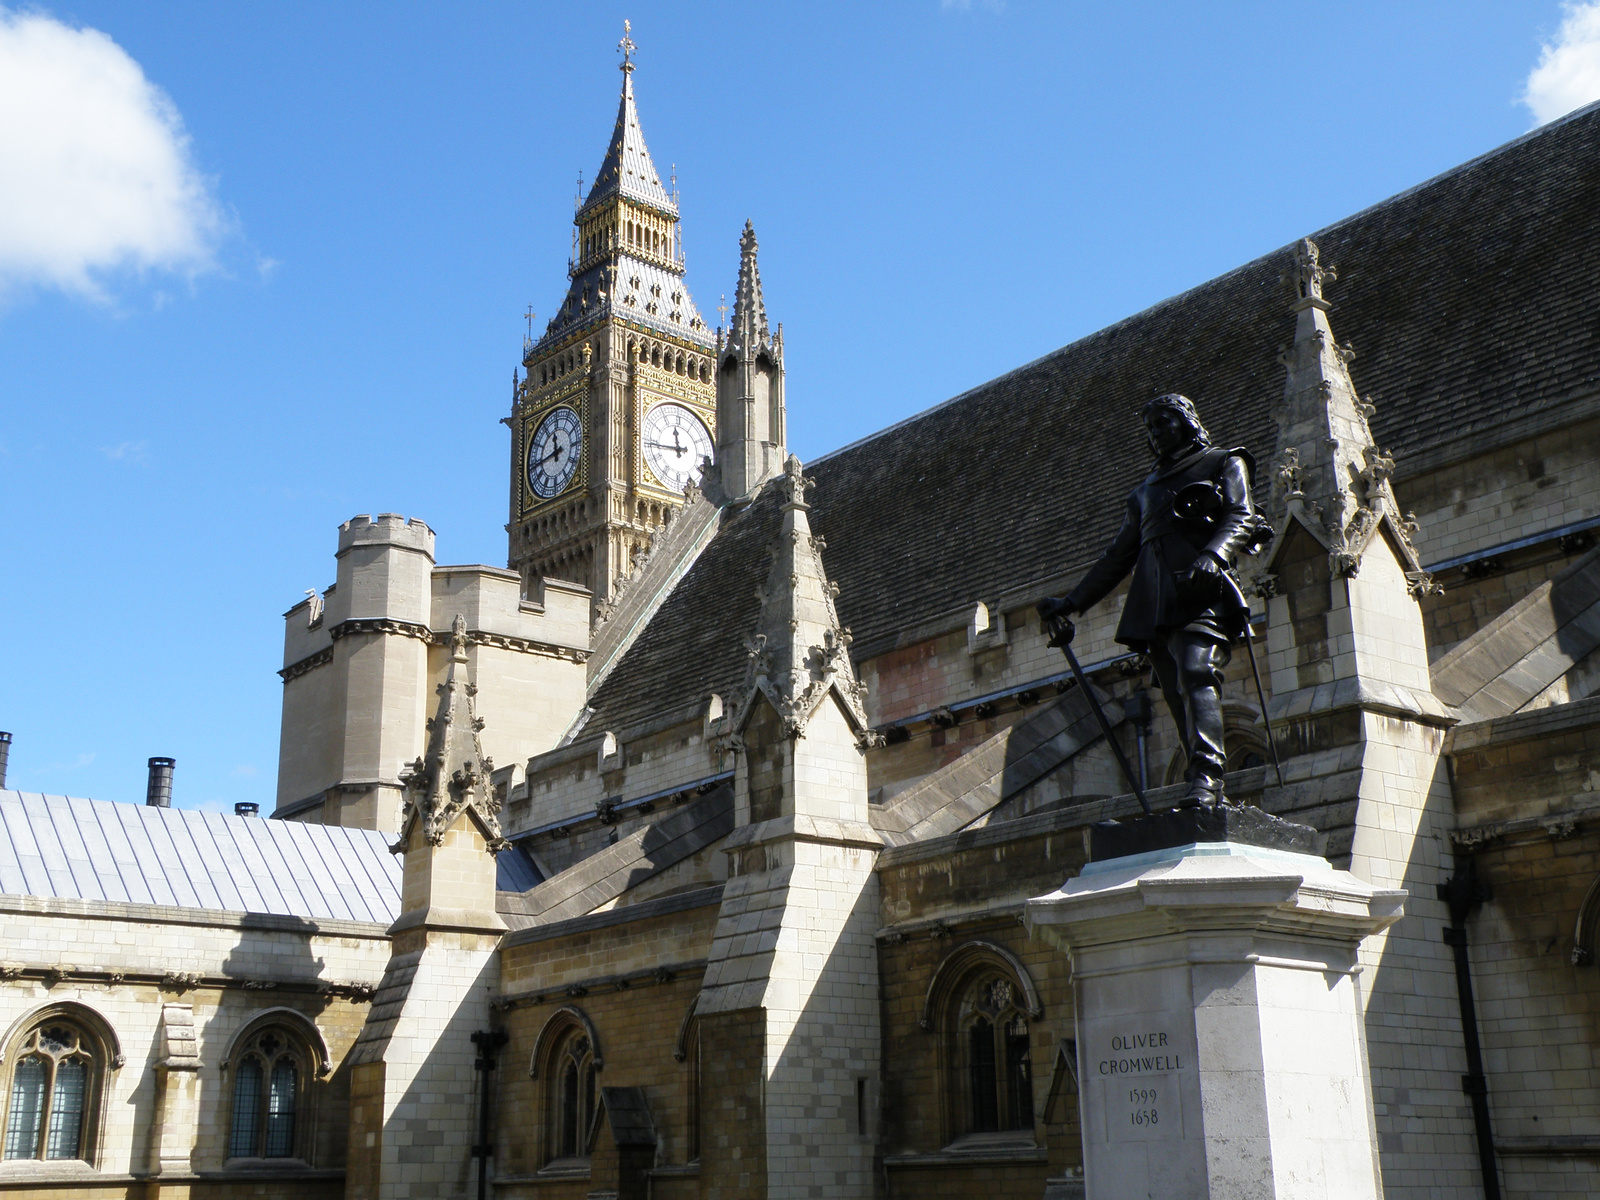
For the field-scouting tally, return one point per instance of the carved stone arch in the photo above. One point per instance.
(93, 1021)
(105, 1049)
(281, 1015)
(960, 962)
(686, 1050)
(686, 1028)
(1584, 948)
(560, 1021)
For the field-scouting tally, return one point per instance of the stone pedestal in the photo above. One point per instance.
(1220, 1043)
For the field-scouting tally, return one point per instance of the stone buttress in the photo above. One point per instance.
(1362, 730)
(789, 1011)
(412, 1105)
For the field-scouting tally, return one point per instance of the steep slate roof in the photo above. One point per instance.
(627, 167)
(57, 846)
(1470, 299)
(621, 284)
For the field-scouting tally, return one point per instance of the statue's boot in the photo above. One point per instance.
(1190, 673)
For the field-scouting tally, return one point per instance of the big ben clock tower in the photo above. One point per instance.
(619, 404)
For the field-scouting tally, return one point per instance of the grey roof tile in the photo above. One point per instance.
(1442, 289)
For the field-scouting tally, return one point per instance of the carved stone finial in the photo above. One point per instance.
(454, 774)
(800, 653)
(1309, 271)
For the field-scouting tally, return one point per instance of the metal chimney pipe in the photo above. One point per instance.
(159, 792)
(5, 755)
(245, 808)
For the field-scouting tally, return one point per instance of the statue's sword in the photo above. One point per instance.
(1105, 725)
(1272, 742)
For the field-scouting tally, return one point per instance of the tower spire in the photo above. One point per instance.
(749, 310)
(750, 407)
(1330, 475)
(800, 653)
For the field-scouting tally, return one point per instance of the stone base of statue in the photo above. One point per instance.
(1220, 1041)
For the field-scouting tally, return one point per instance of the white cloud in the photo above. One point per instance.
(129, 452)
(96, 174)
(1568, 74)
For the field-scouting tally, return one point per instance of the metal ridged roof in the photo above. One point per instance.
(59, 846)
(627, 167)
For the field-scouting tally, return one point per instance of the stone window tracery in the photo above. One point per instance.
(982, 1004)
(52, 1100)
(270, 1073)
(573, 1101)
(998, 1072)
(566, 1062)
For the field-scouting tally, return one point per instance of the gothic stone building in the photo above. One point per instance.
(687, 856)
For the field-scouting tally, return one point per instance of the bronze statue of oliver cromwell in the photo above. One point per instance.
(1184, 527)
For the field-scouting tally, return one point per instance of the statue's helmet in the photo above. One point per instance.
(1184, 408)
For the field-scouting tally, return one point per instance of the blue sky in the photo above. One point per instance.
(309, 305)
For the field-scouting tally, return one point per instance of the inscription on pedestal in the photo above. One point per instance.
(1139, 1084)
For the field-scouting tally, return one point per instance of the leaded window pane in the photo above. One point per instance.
(280, 1112)
(569, 1110)
(1019, 1075)
(66, 1109)
(246, 1109)
(985, 1106)
(27, 1107)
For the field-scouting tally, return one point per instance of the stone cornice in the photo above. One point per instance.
(1583, 813)
(309, 663)
(179, 982)
(576, 989)
(412, 629)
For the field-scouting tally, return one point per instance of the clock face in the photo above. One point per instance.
(675, 444)
(554, 452)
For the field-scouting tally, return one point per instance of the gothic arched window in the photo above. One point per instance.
(270, 1072)
(687, 1051)
(993, 1046)
(981, 1003)
(573, 1096)
(566, 1062)
(53, 1100)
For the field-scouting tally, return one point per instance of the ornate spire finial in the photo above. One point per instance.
(1309, 271)
(627, 47)
(454, 773)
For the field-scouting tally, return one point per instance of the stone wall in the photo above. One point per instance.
(125, 963)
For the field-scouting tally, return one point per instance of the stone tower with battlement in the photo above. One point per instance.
(362, 659)
(617, 408)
